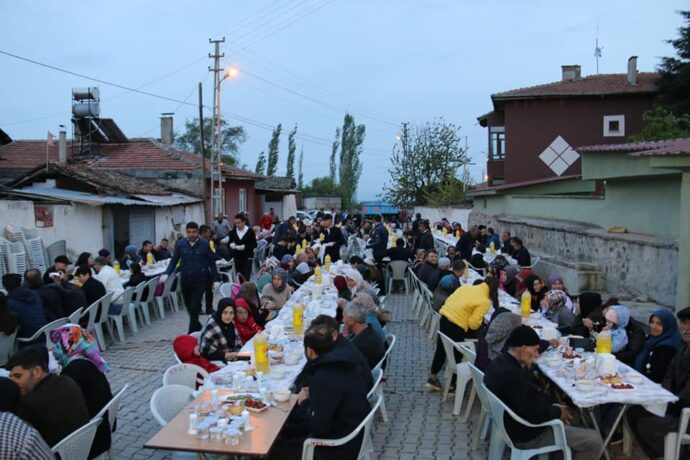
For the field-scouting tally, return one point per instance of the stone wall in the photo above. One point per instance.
(634, 266)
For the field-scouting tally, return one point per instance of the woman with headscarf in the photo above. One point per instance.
(635, 336)
(248, 292)
(131, 256)
(219, 340)
(661, 345)
(76, 350)
(617, 318)
(590, 318)
(355, 280)
(244, 322)
(557, 311)
(445, 288)
(277, 292)
(187, 350)
(522, 281)
(508, 278)
(555, 283)
(535, 286)
(497, 265)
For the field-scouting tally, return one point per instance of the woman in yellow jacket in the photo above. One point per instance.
(461, 316)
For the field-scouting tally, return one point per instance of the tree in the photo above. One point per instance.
(300, 176)
(334, 155)
(350, 167)
(426, 157)
(674, 79)
(272, 167)
(661, 124)
(260, 164)
(292, 146)
(321, 186)
(231, 138)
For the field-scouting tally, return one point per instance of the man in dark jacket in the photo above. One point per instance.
(425, 239)
(507, 248)
(197, 266)
(400, 252)
(379, 244)
(429, 272)
(25, 304)
(90, 286)
(51, 403)
(285, 228)
(242, 245)
(466, 243)
(649, 429)
(51, 294)
(508, 378)
(364, 337)
(60, 263)
(333, 238)
(520, 252)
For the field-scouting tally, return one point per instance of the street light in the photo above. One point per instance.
(217, 187)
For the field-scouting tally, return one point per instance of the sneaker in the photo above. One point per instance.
(433, 384)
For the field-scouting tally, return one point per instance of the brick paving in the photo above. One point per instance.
(421, 426)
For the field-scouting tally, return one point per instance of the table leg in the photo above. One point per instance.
(613, 428)
(596, 427)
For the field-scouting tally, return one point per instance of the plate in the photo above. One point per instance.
(257, 410)
(630, 385)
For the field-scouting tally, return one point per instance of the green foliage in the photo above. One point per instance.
(260, 164)
(321, 186)
(661, 124)
(300, 176)
(231, 138)
(272, 167)
(425, 157)
(350, 167)
(674, 80)
(292, 146)
(334, 155)
(446, 193)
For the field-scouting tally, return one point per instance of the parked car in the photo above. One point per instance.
(304, 217)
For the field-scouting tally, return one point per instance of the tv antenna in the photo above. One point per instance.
(597, 48)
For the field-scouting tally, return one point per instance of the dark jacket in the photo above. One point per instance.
(379, 244)
(657, 361)
(507, 248)
(465, 245)
(96, 390)
(430, 275)
(52, 296)
(26, 305)
(55, 408)
(198, 262)
(333, 235)
(370, 346)
(93, 290)
(425, 241)
(523, 258)
(396, 253)
(636, 338)
(135, 280)
(282, 230)
(337, 402)
(514, 385)
(677, 380)
(248, 241)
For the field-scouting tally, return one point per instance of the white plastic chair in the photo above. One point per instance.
(397, 271)
(185, 374)
(168, 401)
(377, 375)
(225, 289)
(77, 445)
(93, 313)
(76, 314)
(453, 367)
(128, 309)
(166, 295)
(390, 340)
(535, 261)
(435, 324)
(110, 411)
(674, 441)
(102, 318)
(45, 330)
(148, 300)
(484, 422)
(175, 292)
(500, 438)
(142, 307)
(310, 444)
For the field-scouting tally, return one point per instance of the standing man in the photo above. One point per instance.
(221, 227)
(205, 233)
(242, 244)
(333, 238)
(425, 239)
(379, 243)
(197, 266)
(466, 243)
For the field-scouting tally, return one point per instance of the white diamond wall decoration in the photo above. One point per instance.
(559, 156)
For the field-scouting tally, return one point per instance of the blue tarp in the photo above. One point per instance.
(378, 207)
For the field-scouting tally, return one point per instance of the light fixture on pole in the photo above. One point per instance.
(217, 162)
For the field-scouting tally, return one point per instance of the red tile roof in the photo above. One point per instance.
(679, 146)
(594, 85)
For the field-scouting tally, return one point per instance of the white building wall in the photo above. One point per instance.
(170, 222)
(452, 214)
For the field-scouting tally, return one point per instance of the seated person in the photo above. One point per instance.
(146, 249)
(76, 350)
(219, 340)
(92, 288)
(51, 294)
(429, 272)
(52, 404)
(26, 306)
(20, 441)
(136, 277)
(520, 252)
(399, 251)
(477, 261)
(445, 288)
(277, 292)
(452, 253)
(364, 337)
(332, 406)
(419, 260)
(131, 257)
(377, 317)
(634, 333)
(187, 350)
(650, 430)
(281, 248)
(535, 286)
(500, 327)
(111, 281)
(660, 347)
(301, 274)
(245, 325)
(557, 311)
(163, 250)
(590, 318)
(8, 326)
(507, 377)
(249, 293)
(555, 283)
(509, 280)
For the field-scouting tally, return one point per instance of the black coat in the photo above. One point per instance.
(52, 296)
(93, 290)
(248, 241)
(425, 241)
(465, 245)
(333, 235)
(370, 346)
(657, 361)
(430, 275)
(636, 339)
(523, 258)
(677, 380)
(396, 253)
(379, 243)
(514, 385)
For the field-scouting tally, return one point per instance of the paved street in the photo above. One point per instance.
(420, 426)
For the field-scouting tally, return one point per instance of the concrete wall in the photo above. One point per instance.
(436, 214)
(79, 225)
(318, 202)
(633, 266)
(168, 224)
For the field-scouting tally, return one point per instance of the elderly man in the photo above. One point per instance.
(520, 252)
(508, 378)
(363, 336)
(649, 429)
(221, 226)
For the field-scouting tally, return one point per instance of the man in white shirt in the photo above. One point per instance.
(111, 280)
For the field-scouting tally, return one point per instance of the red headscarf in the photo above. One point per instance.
(522, 277)
(184, 348)
(249, 328)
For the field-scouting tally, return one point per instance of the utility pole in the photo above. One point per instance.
(216, 156)
(204, 187)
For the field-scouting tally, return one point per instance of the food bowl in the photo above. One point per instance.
(584, 385)
(553, 361)
(281, 394)
(235, 408)
(634, 377)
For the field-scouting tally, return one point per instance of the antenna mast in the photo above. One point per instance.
(597, 49)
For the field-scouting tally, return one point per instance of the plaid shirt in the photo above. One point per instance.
(212, 339)
(19, 441)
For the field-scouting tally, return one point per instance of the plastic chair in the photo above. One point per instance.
(453, 367)
(500, 438)
(674, 441)
(127, 309)
(390, 340)
(139, 305)
(45, 330)
(484, 422)
(435, 324)
(397, 271)
(77, 445)
(188, 375)
(535, 261)
(168, 401)
(225, 289)
(76, 314)
(166, 295)
(109, 413)
(377, 374)
(148, 300)
(93, 314)
(176, 292)
(102, 318)
(7, 346)
(310, 444)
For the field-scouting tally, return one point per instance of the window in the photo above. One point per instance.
(497, 143)
(614, 125)
(243, 200)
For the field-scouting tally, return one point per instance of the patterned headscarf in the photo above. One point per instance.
(555, 299)
(498, 264)
(71, 342)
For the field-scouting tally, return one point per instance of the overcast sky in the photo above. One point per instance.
(309, 61)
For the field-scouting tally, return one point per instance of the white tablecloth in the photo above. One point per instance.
(649, 394)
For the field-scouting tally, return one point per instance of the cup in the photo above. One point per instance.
(216, 434)
(232, 437)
